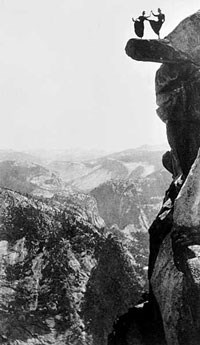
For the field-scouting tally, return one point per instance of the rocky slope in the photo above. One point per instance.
(69, 170)
(36, 180)
(129, 207)
(131, 202)
(127, 204)
(62, 281)
(27, 177)
(35, 170)
(174, 272)
(128, 164)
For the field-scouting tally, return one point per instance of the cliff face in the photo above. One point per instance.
(61, 280)
(175, 277)
(174, 265)
(131, 202)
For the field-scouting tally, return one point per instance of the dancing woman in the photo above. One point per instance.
(139, 24)
(156, 25)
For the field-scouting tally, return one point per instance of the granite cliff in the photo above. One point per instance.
(174, 265)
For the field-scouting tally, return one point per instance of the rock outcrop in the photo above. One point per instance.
(177, 85)
(176, 274)
(174, 264)
(131, 202)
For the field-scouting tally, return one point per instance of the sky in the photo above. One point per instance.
(65, 80)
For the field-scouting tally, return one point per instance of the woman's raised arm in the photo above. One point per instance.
(155, 15)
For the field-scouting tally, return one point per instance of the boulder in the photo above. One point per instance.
(154, 51)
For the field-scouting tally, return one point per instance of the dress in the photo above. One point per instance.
(156, 25)
(139, 26)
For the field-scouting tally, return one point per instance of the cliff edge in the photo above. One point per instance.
(174, 262)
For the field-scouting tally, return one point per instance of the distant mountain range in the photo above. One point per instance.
(128, 164)
(128, 185)
(86, 170)
(70, 155)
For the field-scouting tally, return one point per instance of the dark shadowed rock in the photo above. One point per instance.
(175, 277)
(177, 95)
(108, 279)
(171, 163)
(138, 327)
(154, 51)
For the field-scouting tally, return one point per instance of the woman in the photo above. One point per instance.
(156, 25)
(139, 24)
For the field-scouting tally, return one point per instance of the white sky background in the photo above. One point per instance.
(65, 80)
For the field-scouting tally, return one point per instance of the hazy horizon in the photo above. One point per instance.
(40, 150)
(66, 81)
